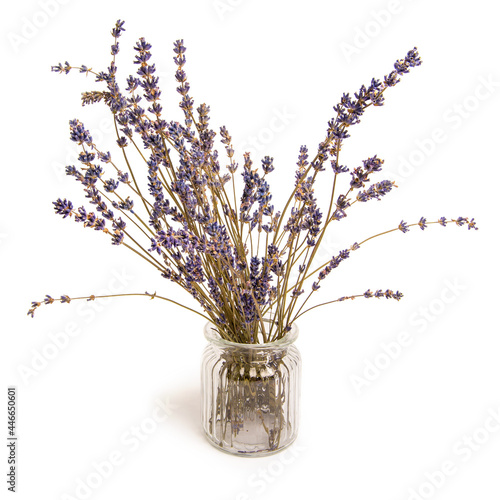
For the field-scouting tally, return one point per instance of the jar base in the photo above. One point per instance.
(248, 454)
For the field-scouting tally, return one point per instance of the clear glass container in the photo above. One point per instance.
(250, 394)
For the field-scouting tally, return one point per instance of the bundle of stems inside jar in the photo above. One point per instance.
(251, 268)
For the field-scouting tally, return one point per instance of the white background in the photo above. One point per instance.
(372, 426)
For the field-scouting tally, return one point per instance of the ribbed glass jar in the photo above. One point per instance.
(250, 394)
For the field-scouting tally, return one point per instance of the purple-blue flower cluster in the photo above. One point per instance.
(234, 254)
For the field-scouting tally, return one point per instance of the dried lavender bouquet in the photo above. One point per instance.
(250, 267)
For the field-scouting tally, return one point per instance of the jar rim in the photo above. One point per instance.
(212, 335)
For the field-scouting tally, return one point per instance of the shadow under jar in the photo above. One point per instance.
(250, 394)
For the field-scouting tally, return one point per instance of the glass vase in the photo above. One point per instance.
(250, 394)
